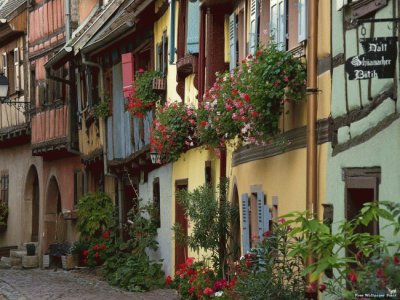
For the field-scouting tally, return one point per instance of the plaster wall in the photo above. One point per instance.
(372, 153)
(18, 161)
(160, 26)
(164, 233)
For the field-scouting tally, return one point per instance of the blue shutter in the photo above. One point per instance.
(267, 217)
(193, 27)
(254, 13)
(232, 41)
(110, 141)
(302, 20)
(260, 213)
(245, 224)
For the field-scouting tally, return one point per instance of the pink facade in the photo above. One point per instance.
(50, 124)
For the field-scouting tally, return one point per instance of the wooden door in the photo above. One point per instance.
(181, 251)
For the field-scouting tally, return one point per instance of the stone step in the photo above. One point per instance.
(17, 253)
(5, 263)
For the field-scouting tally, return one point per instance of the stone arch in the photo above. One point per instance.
(31, 206)
(54, 225)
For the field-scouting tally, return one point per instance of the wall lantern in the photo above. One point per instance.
(155, 157)
(4, 94)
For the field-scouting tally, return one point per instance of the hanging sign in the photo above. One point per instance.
(378, 60)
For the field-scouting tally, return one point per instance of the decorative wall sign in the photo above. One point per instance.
(378, 61)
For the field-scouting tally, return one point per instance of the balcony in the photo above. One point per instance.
(14, 126)
(51, 136)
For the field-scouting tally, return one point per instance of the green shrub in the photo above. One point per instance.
(96, 214)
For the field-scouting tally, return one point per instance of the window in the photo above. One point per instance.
(78, 186)
(4, 64)
(193, 27)
(4, 185)
(256, 217)
(278, 23)
(156, 202)
(302, 20)
(162, 55)
(237, 35)
(254, 26)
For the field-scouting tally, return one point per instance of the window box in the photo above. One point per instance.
(159, 84)
(187, 65)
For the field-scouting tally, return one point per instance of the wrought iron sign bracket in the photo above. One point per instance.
(17, 104)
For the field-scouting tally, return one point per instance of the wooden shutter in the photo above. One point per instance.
(254, 14)
(193, 27)
(164, 52)
(127, 60)
(158, 57)
(5, 68)
(232, 41)
(282, 24)
(16, 70)
(260, 213)
(245, 224)
(302, 20)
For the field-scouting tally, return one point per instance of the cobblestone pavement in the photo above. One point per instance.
(37, 284)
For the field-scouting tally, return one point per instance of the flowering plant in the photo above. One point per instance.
(194, 280)
(143, 98)
(371, 264)
(269, 270)
(248, 101)
(173, 130)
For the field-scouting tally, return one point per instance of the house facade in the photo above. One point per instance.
(361, 163)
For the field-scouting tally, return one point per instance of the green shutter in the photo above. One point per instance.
(232, 41)
(193, 27)
(245, 224)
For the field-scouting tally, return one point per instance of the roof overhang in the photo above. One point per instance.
(60, 58)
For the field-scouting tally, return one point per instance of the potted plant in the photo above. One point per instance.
(173, 130)
(3, 215)
(30, 249)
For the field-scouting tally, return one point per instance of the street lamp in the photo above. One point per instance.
(155, 157)
(4, 99)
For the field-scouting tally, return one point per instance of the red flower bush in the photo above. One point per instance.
(143, 98)
(173, 131)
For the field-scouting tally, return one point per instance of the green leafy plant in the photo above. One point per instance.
(268, 271)
(3, 212)
(173, 130)
(102, 109)
(247, 102)
(128, 265)
(362, 263)
(96, 214)
(143, 97)
(211, 221)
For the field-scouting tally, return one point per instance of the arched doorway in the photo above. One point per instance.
(31, 206)
(54, 225)
(236, 233)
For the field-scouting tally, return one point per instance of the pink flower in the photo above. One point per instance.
(267, 233)
(282, 220)
(285, 79)
(322, 287)
(140, 70)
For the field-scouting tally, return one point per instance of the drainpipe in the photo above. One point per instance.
(67, 7)
(312, 90)
(172, 9)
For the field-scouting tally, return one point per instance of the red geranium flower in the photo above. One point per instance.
(322, 287)
(168, 280)
(106, 234)
(396, 260)
(102, 247)
(267, 233)
(95, 247)
(96, 254)
(85, 252)
(208, 291)
(258, 52)
(380, 273)
(140, 70)
(352, 276)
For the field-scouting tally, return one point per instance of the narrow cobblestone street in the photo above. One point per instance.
(37, 284)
